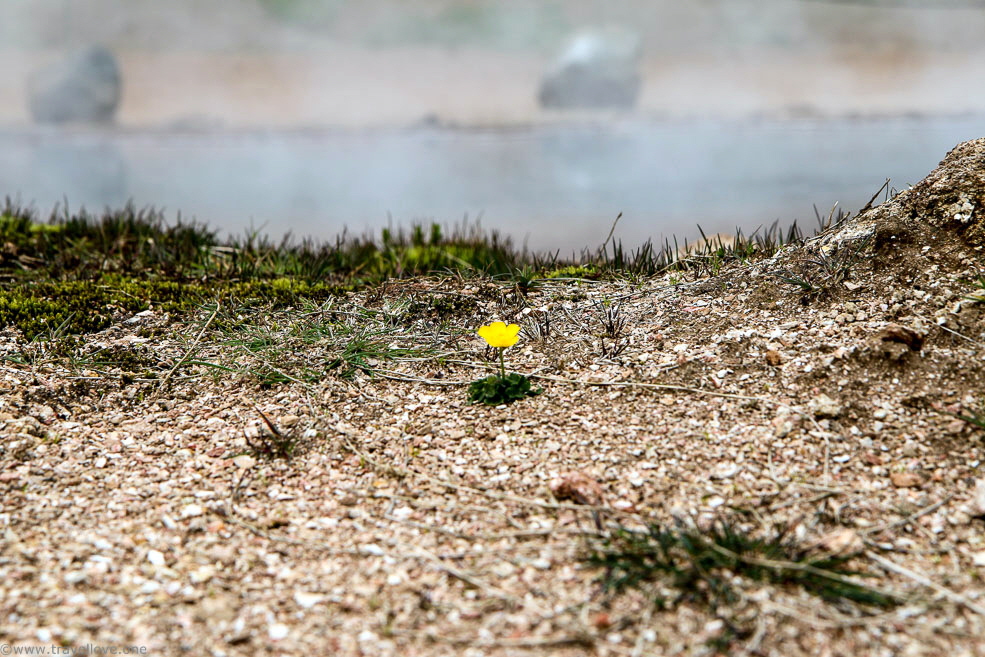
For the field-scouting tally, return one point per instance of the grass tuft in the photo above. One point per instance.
(706, 567)
(273, 443)
(78, 273)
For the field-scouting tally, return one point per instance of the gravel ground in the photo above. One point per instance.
(148, 513)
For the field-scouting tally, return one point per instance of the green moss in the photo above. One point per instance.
(62, 307)
(575, 271)
(86, 306)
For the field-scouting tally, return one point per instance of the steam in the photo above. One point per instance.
(314, 115)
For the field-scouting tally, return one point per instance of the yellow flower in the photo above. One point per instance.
(500, 335)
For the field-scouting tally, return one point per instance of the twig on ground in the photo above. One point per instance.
(920, 579)
(910, 518)
(191, 349)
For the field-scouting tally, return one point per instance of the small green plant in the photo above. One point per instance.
(974, 417)
(500, 388)
(705, 566)
(977, 419)
(818, 274)
(538, 327)
(980, 296)
(613, 326)
(805, 286)
(276, 444)
(524, 279)
(495, 389)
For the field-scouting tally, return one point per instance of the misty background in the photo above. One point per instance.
(310, 116)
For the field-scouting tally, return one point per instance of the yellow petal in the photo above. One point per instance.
(499, 334)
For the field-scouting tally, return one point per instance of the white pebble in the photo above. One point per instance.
(277, 631)
(150, 586)
(307, 600)
(74, 577)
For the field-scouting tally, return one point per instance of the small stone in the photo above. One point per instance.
(244, 461)
(784, 424)
(725, 471)
(155, 557)
(955, 427)
(277, 631)
(773, 357)
(503, 569)
(307, 600)
(403, 512)
(203, 574)
(823, 406)
(905, 479)
(842, 542)
(978, 558)
(978, 498)
(75, 577)
(894, 333)
(577, 487)
(601, 620)
(149, 587)
(373, 549)
(192, 511)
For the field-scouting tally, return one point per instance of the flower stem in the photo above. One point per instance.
(502, 367)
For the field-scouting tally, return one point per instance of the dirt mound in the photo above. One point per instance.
(948, 202)
(927, 239)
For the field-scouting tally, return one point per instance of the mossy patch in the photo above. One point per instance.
(86, 306)
(575, 271)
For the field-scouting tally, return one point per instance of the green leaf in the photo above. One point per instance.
(495, 390)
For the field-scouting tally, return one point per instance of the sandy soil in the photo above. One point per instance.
(143, 511)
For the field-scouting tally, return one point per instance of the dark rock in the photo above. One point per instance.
(894, 333)
(598, 69)
(83, 88)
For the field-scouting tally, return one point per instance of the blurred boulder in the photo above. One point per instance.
(82, 88)
(597, 69)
